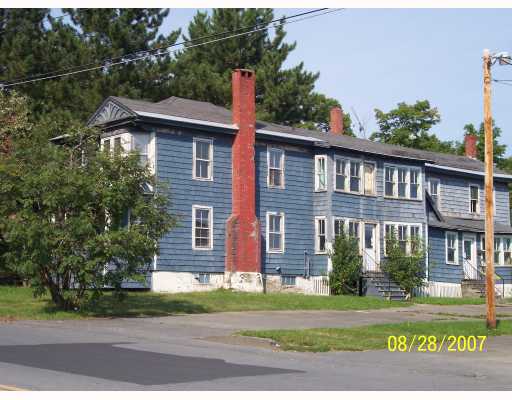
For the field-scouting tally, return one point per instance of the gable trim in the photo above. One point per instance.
(110, 111)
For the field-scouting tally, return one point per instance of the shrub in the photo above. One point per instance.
(68, 212)
(346, 266)
(407, 270)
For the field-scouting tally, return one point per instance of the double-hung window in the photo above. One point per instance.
(320, 173)
(507, 251)
(275, 162)
(434, 190)
(320, 237)
(414, 183)
(403, 237)
(389, 234)
(202, 159)
(502, 250)
(355, 177)
(452, 248)
(140, 143)
(339, 227)
(202, 229)
(354, 231)
(482, 249)
(414, 237)
(341, 174)
(390, 182)
(402, 182)
(275, 232)
(497, 251)
(406, 235)
(474, 199)
(349, 173)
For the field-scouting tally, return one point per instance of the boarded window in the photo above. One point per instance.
(369, 178)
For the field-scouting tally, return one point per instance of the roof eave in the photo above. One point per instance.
(467, 171)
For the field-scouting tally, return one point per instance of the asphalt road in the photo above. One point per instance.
(197, 352)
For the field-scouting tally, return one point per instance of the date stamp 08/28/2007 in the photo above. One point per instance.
(436, 344)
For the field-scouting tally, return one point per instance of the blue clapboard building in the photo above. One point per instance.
(260, 204)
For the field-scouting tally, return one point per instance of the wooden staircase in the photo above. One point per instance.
(377, 283)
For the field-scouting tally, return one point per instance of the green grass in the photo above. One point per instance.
(448, 301)
(18, 303)
(372, 337)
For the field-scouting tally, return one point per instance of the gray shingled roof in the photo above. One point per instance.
(203, 111)
(468, 225)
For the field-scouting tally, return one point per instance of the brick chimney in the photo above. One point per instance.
(336, 121)
(470, 145)
(242, 227)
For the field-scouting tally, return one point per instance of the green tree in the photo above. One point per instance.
(499, 149)
(346, 265)
(35, 42)
(409, 125)
(283, 95)
(68, 212)
(406, 269)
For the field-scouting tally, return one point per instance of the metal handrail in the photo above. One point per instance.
(481, 272)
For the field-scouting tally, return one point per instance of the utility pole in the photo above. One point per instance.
(489, 197)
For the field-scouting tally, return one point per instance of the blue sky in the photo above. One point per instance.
(375, 58)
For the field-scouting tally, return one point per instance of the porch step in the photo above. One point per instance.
(475, 288)
(377, 283)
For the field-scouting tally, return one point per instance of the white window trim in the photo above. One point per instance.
(430, 180)
(283, 163)
(374, 163)
(267, 233)
(482, 247)
(407, 180)
(502, 249)
(210, 214)
(334, 219)
(409, 225)
(456, 256)
(317, 182)
(317, 242)
(346, 222)
(478, 200)
(210, 170)
(348, 163)
(501, 262)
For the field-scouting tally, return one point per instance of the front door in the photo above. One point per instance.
(370, 254)
(469, 257)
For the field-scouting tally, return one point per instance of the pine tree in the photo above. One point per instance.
(36, 43)
(283, 95)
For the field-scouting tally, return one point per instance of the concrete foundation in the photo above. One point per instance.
(180, 282)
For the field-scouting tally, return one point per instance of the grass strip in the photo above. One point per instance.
(373, 337)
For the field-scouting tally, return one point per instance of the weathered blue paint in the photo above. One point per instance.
(295, 201)
(174, 167)
(439, 270)
(454, 197)
(300, 205)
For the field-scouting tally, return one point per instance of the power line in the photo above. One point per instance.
(158, 48)
(108, 62)
(507, 82)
